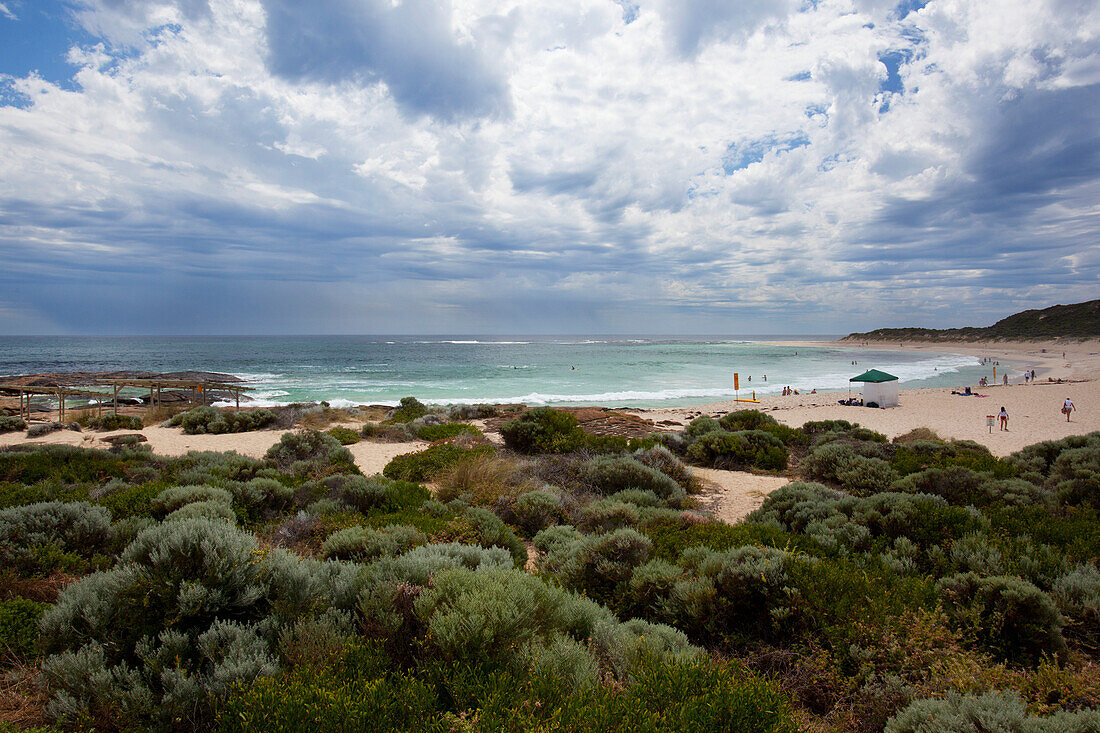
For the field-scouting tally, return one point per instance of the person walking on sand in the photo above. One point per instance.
(1003, 414)
(1006, 380)
(1067, 408)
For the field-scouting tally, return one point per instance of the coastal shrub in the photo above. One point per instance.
(483, 479)
(519, 614)
(426, 464)
(207, 419)
(543, 430)
(113, 421)
(443, 431)
(1007, 615)
(746, 420)
(919, 455)
(481, 527)
(362, 493)
(260, 494)
(986, 713)
(665, 461)
(701, 426)
(190, 610)
(39, 429)
(593, 564)
(608, 514)
(11, 423)
(471, 412)
(408, 410)
(212, 509)
(1075, 476)
(355, 693)
(311, 446)
(962, 486)
(608, 475)
(615, 444)
(214, 469)
(363, 544)
(743, 449)
(862, 476)
(1077, 595)
(819, 427)
(175, 497)
(536, 510)
(19, 628)
(825, 461)
(38, 537)
(730, 596)
(346, 436)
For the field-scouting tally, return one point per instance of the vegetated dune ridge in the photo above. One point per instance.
(1061, 322)
(571, 579)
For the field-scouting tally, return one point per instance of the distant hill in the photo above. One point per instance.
(1076, 321)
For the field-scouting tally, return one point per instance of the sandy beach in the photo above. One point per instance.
(1034, 409)
(1034, 416)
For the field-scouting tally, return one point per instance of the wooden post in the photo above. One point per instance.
(116, 399)
(237, 394)
(60, 405)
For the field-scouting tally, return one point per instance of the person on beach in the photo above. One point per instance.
(1067, 408)
(1003, 414)
(1006, 380)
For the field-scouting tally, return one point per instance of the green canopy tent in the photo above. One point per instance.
(879, 388)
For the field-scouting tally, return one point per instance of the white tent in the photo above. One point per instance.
(879, 388)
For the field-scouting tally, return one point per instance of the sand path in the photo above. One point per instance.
(730, 496)
(370, 457)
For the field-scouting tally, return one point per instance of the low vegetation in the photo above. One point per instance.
(558, 583)
(206, 419)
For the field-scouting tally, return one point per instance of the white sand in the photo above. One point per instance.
(1033, 409)
(732, 495)
(370, 457)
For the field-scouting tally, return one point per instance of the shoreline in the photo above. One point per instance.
(1034, 409)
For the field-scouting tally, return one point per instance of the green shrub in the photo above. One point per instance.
(665, 461)
(608, 514)
(425, 464)
(363, 544)
(34, 537)
(488, 530)
(701, 426)
(408, 410)
(311, 446)
(347, 696)
(175, 497)
(543, 430)
(432, 433)
(211, 509)
(207, 419)
(10, 423)
(346, 436)
(39, 429)
(819, 427)
(1077, 595)
(961, 486)
(991, 712)
(19, 628)
(1009, 616)
(594, 564)
(188, 611)
(746, 420)
(534, 511)
(862, 476)
(260, 494)
(471, 412)
(744, 449)
(608, 475)
(733, 596)
(113, 421)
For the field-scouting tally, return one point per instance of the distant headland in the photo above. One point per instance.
(1067, 322)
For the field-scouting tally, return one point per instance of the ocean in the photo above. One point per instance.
(615, 371)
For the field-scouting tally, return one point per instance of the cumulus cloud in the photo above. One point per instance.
(422, 165)
(410, 46)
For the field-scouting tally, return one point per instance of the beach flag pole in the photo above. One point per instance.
(736, 387)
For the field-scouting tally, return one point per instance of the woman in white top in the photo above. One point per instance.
(1067, 408)
(1003, 414)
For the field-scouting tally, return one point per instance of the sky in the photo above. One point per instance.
(544, 166)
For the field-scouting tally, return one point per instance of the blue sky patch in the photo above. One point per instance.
(741, 156)
(38, 40)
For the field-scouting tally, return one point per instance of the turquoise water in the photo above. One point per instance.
(641, 371)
